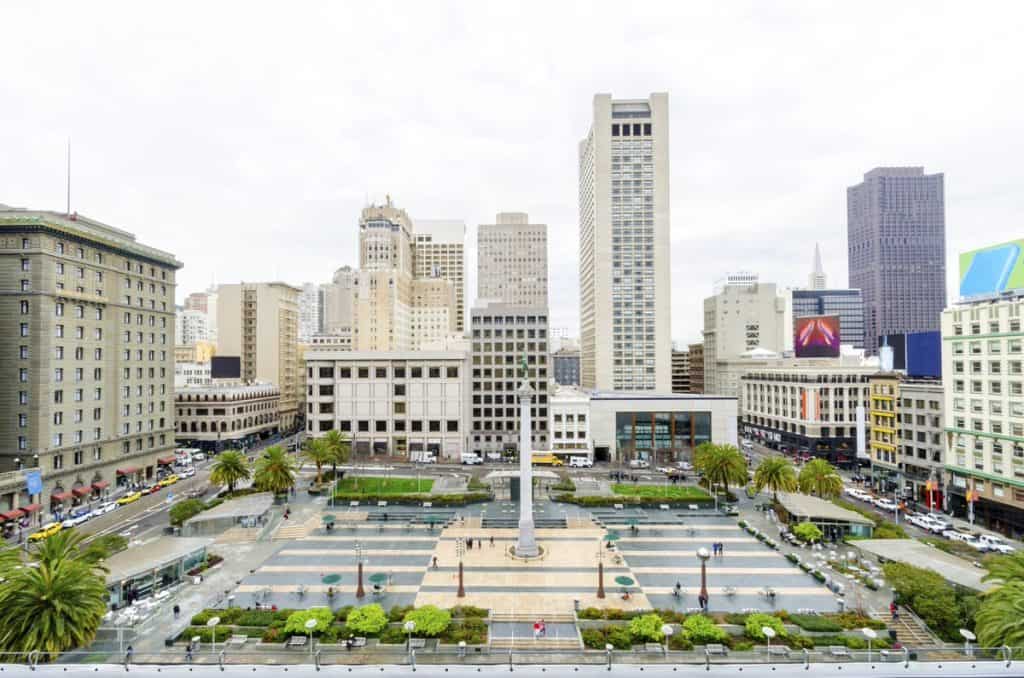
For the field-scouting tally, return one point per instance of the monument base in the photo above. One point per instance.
(514, 554)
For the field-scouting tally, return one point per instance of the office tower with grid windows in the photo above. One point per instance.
(512, 261)
(309, 312)
(624, 247)
(896, 246)
(88, 360)
(439, 251)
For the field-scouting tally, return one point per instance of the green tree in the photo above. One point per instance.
(369, 619)
(230, 468)
(821, 478)
(55, 606)
(703, 630)
(1005, 569)
(775, 473)
(68, 546)
(756, 622)
(296, 622)
(316, 451)
(184, 510)
(722, 465)
(1000, 619)
(430, 621)
(808, 532)
(275, 470)
(647, 628)
(339, 445)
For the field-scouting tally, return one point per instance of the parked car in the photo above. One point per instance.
(995, 543)
(639, 463)
(939, 523)
(188, 473)
(198, 456)
(471, 458)
(77, 518)
(46, 531)
(494, 456)
(129, 498)
(684, 466)
(957, 535)
(921, 520)
(886, 504)
(104, 508)
(169, 480)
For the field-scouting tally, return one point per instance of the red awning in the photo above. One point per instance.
(166, 461)
(61, 496)
(83, 491)
(12, 515)
(100, 485)
(131, 470)
(31, 508)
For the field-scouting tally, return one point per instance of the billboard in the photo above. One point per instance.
(919, 354)
(816, 336)
(225, 367)
(991, 271)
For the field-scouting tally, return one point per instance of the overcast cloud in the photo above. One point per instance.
(246, 137)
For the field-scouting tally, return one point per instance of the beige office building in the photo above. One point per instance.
(88, 346)
(336, 302)
(259, 323)
(439, 251)
(512, 261)
(228, 413)
(680, 371)
(625, 245)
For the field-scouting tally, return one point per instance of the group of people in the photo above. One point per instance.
(479, 542)
(718, 549)
(540, 629)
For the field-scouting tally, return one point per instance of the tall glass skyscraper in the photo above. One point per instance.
(625, 310)
(847, 304)
(896, 243)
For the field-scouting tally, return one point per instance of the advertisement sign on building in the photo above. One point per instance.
(816, 336)
(919, 354)
(33, 482)
(991, 271)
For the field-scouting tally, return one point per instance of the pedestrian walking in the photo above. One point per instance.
(469, 543)
(479, 544)
(492, 541)
(894, 611)
(435, 562)
(188, 653)
(177, 610)
(128, 654)
(721, 549)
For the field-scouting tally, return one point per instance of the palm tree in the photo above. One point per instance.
(339, 445)
(1000, 619)
(1005, 569)
(821, 478)
(69, 546)
(53, 607)
(775, 473)
(231, 466)
(316, 451)
(721, 465)
(275, 470)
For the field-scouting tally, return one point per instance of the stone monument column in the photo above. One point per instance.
(527, 545)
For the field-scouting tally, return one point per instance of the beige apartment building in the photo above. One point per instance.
(88, 345)
(259, 323)
(625, 246)
(439, 251)
(228, 414)
(336, 302)
(512, 261)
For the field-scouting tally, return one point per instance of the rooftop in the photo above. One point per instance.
(955, 570)
(241, 507)
(151, 556)
(807, 506)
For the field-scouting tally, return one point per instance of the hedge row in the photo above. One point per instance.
(628, 500)
(436, 499)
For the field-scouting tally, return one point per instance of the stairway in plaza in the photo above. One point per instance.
(527, 641)
(536, 644)
(910, 630)
(513, 522)
(293, 529)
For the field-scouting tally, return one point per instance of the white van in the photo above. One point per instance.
(580, 462)
(471, 458)
(994, 543)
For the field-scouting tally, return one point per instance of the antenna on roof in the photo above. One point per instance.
(69, 179)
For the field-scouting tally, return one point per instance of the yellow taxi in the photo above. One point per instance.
(547, 460)
(129, 498)
(46, 531)
(169, 480)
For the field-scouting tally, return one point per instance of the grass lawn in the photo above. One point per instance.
(377, 485)
(671, 491)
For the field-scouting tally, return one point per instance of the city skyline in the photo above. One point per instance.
(299, 174)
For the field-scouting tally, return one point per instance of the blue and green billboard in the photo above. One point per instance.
(991, 271)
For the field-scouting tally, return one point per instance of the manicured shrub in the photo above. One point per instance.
(702, 630)
(620, 638)
(593, 638)
(815, 622)
(737, 618)
(757, 621)
(341, 614)
(742, 646)
(473, 631)
(469, 611)
(184, 510)
(647, 628)
(430, 621)
(818, 575)
(680, 642)
(799, 642)
(367, 620)
(392, 635)
(792, 557)
(398, 612)
(297, 620)
(808, 532)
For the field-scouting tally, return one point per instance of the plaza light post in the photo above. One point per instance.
(212, 623)
(769, 633)
(310, 625)
(600, 569)
(703, 555)
(968, 637)
(870, 634)
(460, 551)
(359, 570)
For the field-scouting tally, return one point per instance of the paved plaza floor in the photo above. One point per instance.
(654, 556)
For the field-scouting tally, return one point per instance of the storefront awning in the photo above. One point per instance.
(166, 461)
(83, 491)
(61, 496)
(100, 485)
(31, 508)
(128, 471)
(12, 515)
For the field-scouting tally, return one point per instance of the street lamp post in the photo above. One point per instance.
(600, 569)
(310, 625)
(359, 570)
(666, 630)
(870, 634)
(703, 555)
(212, 623)
(769, 633)
(460, 551)
(409, 627)
(968, 637)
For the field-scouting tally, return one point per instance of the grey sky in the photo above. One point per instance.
(246, 138)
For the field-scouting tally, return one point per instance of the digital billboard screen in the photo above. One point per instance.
(816, 336)
(919, 354)
(225, 367)
(991, 271)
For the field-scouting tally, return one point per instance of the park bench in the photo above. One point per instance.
(238, 640)
(838, 651)
(716, 648)
(353, 504)
(382, 504)
(617, 507)
(359, 641)
(428, 504)
(665, 507)
(655, 648)
(417, 643)
(296, 641)
(694, 507)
